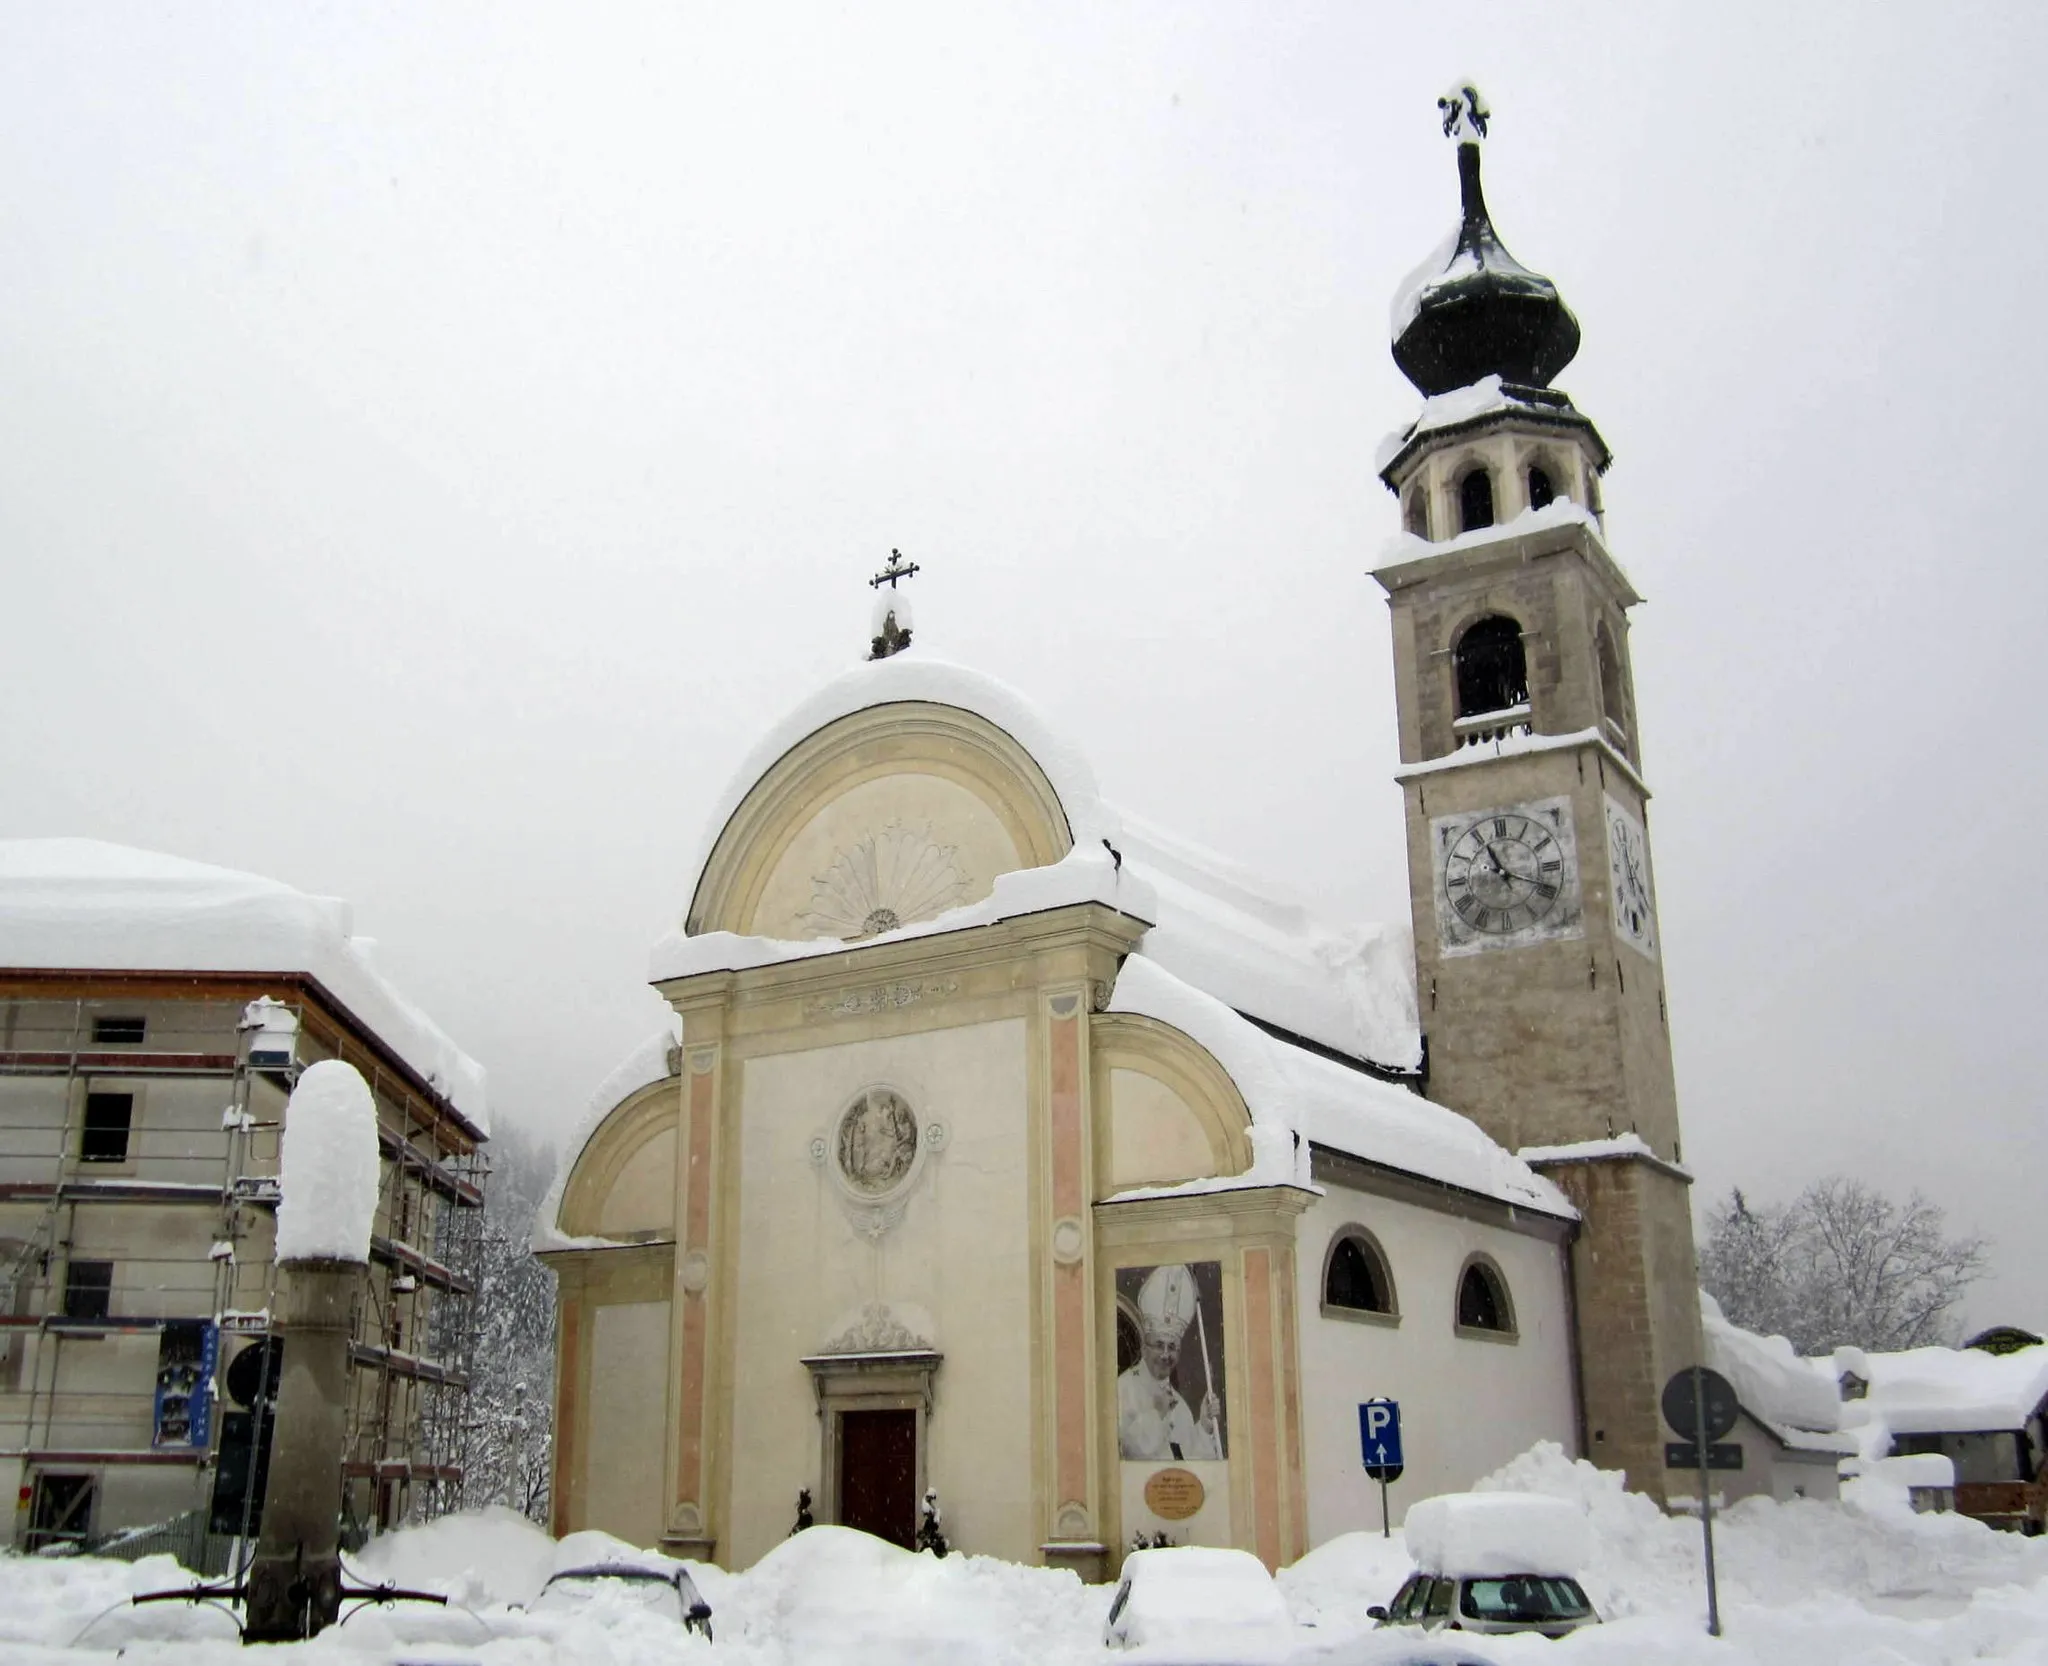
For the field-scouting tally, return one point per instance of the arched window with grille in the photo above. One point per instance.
(1475, 500)
(1492, 668)
(1356, 1278)
(1484, 1307)
(1542, 493)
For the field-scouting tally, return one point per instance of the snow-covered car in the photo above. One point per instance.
(662, 1586)
(1493, 1563)
(1377, 1648)
(1200, 1605)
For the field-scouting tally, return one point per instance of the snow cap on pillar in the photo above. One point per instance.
(327, 1166)
(1472, 310)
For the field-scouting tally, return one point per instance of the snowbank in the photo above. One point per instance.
(1292, 1092)
(81, 904)
(479, 1557)
(1770, 1555)
(327, 1166)
(829, 1595)
(1479, 1535)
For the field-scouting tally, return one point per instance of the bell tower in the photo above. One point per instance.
(1538, 953)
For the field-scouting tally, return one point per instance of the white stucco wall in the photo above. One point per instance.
(1467, 1406)
(957, 1259)
(629, 1359)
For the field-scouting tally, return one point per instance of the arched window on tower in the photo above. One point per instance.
(1492, 669)
(1613, 702)
(1355, 1278)
(1542, 494)
(1475, 500)
(1483, 1303)
(1415, 511)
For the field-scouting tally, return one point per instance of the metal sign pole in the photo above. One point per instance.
(1386, 1525)
(1699, 1419)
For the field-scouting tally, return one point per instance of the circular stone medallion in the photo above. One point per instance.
(876, 1142)
(1174, 1494)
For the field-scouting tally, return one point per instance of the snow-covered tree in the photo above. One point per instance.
(511, 1392)
(1840, 1264)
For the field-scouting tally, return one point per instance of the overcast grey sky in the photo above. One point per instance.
(436, 440)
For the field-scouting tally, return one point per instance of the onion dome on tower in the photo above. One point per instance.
(1481, 335)
(1480, 312)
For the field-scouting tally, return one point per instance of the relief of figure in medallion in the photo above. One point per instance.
(877, 1141)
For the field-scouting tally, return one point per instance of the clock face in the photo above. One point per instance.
(1506, 876)
(1628, 864)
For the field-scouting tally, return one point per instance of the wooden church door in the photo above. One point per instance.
(878, 1474)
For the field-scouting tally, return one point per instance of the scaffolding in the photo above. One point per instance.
(137, 1205)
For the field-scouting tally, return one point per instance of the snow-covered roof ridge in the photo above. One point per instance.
(88, 905)
(654, 1059)
(1778, 1388)
(1237, 936)
(1956, 1390)
(1298, 1098)
(915, 675)
(1628, 1144)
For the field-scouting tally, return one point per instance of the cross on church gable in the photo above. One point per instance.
(892, 614)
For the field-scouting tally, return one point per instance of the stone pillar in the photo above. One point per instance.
(295, 1581)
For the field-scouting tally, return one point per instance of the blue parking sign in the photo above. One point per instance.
(1379, 1434)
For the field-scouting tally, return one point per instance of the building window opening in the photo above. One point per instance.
(1542, 494)
(119, 1032)
(88, 1289)
(109, 1119)
(1357, 1277)
(60, 1512)
(1415, 512)
(1475, 501)
(1483, 1301)
(1492, 669)
(1612, 701)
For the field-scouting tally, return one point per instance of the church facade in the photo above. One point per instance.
(1002, 1150)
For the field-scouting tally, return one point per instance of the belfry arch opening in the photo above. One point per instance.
(1492, 668)
(1475, 500)
(1542, 490)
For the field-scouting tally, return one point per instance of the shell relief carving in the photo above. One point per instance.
(895, 877)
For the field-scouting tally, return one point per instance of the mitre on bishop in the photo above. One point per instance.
(1166, 1303)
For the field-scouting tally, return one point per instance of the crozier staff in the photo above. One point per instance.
(1153, 1420)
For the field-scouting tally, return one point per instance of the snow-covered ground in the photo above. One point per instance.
(1802, 1584)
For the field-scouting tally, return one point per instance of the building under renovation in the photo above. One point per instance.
(154, 1014)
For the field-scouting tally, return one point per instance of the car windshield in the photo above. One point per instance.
(637, 1587)
(1526, 1597)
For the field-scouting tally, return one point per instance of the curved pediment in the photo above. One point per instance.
(884, 817)
(622, 1184)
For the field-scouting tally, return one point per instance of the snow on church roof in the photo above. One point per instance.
(1212, 924)
(1291, 1091)
(1221, 951)
(85, 905)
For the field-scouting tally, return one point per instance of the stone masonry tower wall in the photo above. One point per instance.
(1538, 950)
